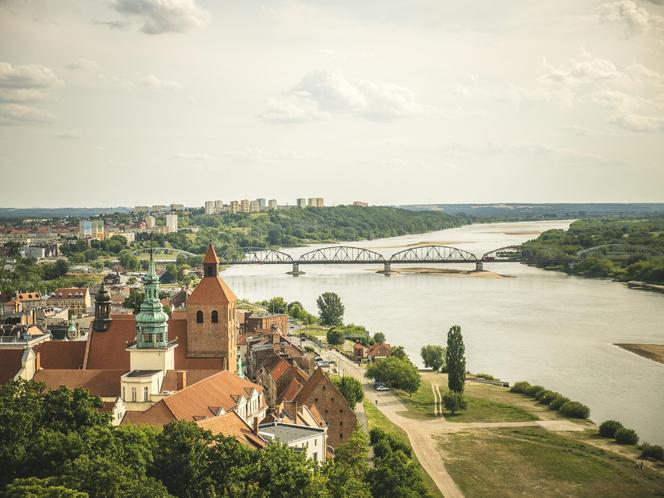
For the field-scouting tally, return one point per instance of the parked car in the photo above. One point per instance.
(379, 386)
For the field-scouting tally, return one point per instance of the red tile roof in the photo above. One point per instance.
(211, 290)
(61, 354)
(382, 349)
(10, 364)
(211, 256)
(279, 369)
(70, 292)
(105, 383)
(232, 425)
(199, 400)
(108, 349)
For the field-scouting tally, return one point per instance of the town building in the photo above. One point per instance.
(234, 207)
(150, 222)
(91, 229)
(254, 206)
(360, 204)
(244, 206)
(32, 252)
(177, 207)
(209, 207)
(312, 441)
(265, 322)
(272, 204)
(301, 203)
(77, 299)
(262, 203)
(379, 351)
(29, 300)
(172, 223)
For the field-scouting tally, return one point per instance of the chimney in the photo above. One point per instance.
(182, 379)
(37, 361)
(256, 426)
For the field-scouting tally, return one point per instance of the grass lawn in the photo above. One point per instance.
(376, 419)
(486, 403)
(533, 462)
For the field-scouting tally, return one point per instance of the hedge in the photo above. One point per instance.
(574, 409)
(626, 436)
(520, 387)
(652, 451)
(609, 428)
(557, 402)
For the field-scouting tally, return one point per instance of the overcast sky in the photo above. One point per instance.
(126, 102)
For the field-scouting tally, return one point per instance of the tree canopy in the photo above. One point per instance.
(330, 309)
(456, 360)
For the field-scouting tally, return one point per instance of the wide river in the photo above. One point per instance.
(545, 327)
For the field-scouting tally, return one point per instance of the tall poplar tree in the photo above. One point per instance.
(456, 360)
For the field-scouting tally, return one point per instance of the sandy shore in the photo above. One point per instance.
(452, 243)
(450, 271)
(653, 352)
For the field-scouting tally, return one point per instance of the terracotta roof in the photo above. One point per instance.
(10, 363)
(242, 340)
(70, 292)
(105, 383)
(199, 400)
(211, 290)
(108, 349)
(171, 379)
(232, 425)
(211, 256)
(29, 296)
(382, 349)
(61, 354)
(158, 414)
(279, 369)
(291, 391)
(313, 409)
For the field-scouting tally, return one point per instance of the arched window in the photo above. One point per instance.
(199, 317)
(215, 317)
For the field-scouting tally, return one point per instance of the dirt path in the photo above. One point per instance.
(437, 400)
(419, 434)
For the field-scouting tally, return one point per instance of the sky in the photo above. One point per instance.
(123, 103)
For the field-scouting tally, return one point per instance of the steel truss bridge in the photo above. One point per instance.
(427, 254)
(421, 254)
(170, 253)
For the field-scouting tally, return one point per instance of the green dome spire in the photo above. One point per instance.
(151, 321)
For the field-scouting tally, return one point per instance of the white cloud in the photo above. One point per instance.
(21, 85)
(638, 123)
(634, 19)
(152, 82)
(324, 92)
(164, 16)
(18, 113)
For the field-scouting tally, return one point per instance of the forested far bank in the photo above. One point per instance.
(561, 247)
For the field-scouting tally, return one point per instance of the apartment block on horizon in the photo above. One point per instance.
(172, 223)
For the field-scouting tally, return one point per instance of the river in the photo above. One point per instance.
(541, 326)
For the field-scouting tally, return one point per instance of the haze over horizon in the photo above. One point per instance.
(122, 103)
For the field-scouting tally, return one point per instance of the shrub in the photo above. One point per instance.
(652, 451)
(557, 402)
(609, 428)
(626, 436)
(385, 442)
(309, 349)
(520, 387)
(454, 402)
(546, 396)
(574, 409)
(533, 391)
(375, 434)
(485, 376)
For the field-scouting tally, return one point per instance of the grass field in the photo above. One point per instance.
(486, 403)
(376, 419)
(534, 462)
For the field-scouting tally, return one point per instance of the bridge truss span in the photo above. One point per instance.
(341, 255)
(618, 251)
(265, 256)
(507, 253)
(168, 251)
(433, 254)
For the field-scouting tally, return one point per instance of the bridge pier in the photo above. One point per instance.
(296, 270)
(479, 266)
(387, 269)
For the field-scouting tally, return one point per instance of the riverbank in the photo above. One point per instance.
(654, 352)
(645, 286)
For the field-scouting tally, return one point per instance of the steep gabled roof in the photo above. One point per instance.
(232, 425)
(61, 354)
(211, 256)
(211, 290)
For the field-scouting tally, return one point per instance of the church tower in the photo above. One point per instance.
(211, 324)
(102, 310)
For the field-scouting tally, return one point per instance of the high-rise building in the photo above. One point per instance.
(301, 203)
(234, 206)
(262, 204)
(218, 207)
(171, 223)
(177, 207)
(311, 202)
(360, 204)
(319, 202)
(209, 207)
(244, 206)
(92, 229)
(150, 221)
(272, 204)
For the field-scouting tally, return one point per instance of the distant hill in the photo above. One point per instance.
(57, 212)
(543, 211)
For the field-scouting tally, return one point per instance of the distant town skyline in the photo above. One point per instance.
(119, 103)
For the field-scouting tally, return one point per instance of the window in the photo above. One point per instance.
(316, 442)
(145, 393)
(341, 424)
(341, 435)
(133, 394)
(199, 317)
(215, 317)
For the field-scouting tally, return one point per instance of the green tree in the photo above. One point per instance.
(134, 300)
(335, 337)
(351, 389)
(455, 359)
(347, 473)
(395, 372)
(33, 487)
(433, 356)
(277, 305)
(330, 309)
(379, 338)
(399, 352)
(397, 476)
(280, 472)
(65, 410)
(454, 402)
